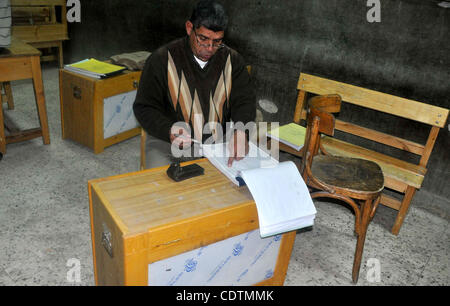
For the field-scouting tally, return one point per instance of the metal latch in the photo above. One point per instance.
(106, 240)
(76, 92)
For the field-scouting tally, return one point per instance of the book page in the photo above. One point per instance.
(218, 155)
(282, 198)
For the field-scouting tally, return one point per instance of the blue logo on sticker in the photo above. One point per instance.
(190, 265)
(269, 274)
(237, 249)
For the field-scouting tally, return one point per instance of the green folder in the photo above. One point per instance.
(291, 134)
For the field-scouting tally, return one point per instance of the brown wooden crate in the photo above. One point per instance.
(144, 231)
(81, 101)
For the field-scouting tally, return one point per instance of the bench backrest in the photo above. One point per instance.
(37, 21)
(432, 115)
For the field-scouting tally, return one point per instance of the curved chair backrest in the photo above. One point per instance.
(320, 120)
(328, 103)
(323, 107)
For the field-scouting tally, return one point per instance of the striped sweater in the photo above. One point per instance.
(175, 88)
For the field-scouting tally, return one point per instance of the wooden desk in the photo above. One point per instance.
(150, 230)
(21, 61)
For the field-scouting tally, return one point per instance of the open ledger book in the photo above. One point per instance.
(281, 196)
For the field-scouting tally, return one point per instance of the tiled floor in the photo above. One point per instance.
(44, 216)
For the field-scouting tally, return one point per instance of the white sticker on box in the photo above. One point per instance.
(241, 260)
(118, 116)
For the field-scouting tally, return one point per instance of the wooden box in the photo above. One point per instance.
(98, 112)
(150, 230)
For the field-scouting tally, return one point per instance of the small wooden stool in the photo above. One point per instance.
(21, 61)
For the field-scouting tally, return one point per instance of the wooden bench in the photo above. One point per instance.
(400, 175)
(42, 24)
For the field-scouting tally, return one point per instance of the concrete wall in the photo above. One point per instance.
(406, 54)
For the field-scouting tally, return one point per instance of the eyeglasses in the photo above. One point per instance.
(216, 43)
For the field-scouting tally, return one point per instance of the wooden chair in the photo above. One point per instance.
(351, 180)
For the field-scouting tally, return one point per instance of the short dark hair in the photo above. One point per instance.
(209, 14)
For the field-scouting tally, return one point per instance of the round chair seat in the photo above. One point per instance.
(353, 174)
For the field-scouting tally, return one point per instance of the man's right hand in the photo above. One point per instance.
(180, 137)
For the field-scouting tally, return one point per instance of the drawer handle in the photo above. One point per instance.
(77, 92)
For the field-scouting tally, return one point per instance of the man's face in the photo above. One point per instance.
(204, 42)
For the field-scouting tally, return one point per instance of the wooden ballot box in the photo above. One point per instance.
(98, 112)
(150, 230)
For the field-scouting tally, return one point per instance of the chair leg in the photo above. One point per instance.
(348, 200)
(9, 96)
(60, 55)
(40, 98)
(375, 206)
(143, 144)
(409, 194)
(2, 132)
(366, 210)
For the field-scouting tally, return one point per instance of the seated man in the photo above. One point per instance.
(195, 85)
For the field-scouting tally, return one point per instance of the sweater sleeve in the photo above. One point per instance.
(150, 107)
(242, 97)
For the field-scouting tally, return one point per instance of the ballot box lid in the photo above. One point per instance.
(143, 200)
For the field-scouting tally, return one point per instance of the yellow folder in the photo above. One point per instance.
(291, 134)
(98, 67)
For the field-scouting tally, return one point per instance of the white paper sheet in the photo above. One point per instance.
(282, 198)
(218, 155)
